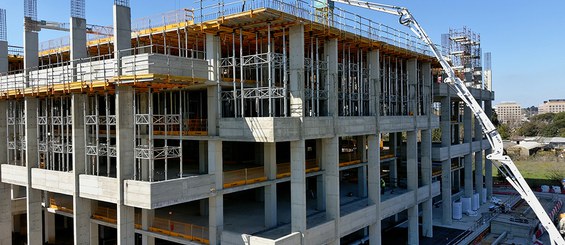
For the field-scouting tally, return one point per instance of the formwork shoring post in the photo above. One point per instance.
(97, 133)
(285, 76)
(240, 70)
(317, 78)
(166, 134)
(310, 76)
(150, 134)
(235, 109)
(181, 99)
(258, 79)
(349, 85)
(270, 67)
(107, 124)
(361, 84)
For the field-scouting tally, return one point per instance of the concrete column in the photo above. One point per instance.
(488, 163)
(456, 138)
(331, 163)
(374, 186)
(82, 208)
(270, 163)
(412, 73)
(31, 49)
(5, 189)
(296, 66)
(426, 170)
(427, 87)
(393, 165)
(468, 159)
(49, 221)
(34, 208)
(147, 216)
(3, 56)
(216, 202)
(412, 181)
(320, 188)
(202, 156)
(122, 33)
(445, 125)
(213, 54)
(77, 43)
(446, 192)
(94, 234)
(362, 171)
(374, 82)
(125, 161)
(298, 186)
(479, 160)
(331, 50)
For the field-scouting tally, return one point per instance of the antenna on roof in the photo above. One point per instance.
(77, 9)
(3, 28)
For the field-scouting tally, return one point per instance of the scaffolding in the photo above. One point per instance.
(54, 133)
(465, 53)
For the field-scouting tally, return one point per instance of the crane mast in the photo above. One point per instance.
(501, 161)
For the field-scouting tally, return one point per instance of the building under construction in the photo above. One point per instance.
(258, 122)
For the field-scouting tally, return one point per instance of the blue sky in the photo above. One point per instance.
(526, 38)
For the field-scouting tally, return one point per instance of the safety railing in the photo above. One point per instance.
(334, 17)
(172, 17)
(61, 204)
(182, 230)
(244, 176)
(195, 127)
(99, 71)
(105, 214)
(283, 169)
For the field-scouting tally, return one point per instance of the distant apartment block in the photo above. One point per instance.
(552, 106)
(509, 112)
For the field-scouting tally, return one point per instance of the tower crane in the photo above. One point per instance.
(501, 161)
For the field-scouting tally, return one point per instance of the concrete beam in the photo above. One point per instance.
(298, 186)
(296, 66)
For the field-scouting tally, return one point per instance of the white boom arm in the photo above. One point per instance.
(501, 161)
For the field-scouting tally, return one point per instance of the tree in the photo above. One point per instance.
(504, 131)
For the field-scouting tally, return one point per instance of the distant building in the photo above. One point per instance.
(531, 111)
(553, 106)
(509, 112)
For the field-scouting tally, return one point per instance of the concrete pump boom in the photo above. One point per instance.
(501, 161)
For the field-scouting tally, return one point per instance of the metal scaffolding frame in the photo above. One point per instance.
(54, 133)
(157, 113)
(353, 86)
(100, 126)
(15, 130)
